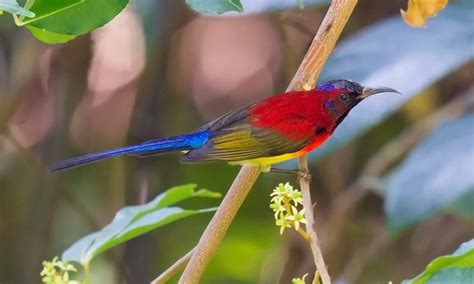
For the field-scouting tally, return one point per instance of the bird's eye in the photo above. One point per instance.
(343, 97)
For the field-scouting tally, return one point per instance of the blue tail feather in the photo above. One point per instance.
(177, 143)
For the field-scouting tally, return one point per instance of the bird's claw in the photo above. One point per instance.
(302, 174)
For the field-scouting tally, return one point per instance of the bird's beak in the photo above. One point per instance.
(367, 91)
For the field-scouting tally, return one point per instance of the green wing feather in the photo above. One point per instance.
(234, 139)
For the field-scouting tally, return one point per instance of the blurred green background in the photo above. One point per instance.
(393, 189)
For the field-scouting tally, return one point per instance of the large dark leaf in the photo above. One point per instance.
(262, 6)
(215, 7)
(437, 173)
(395, 55)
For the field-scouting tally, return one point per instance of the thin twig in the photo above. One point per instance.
(310, 226)
(173, 269)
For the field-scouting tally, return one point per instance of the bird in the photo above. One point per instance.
(273, 130)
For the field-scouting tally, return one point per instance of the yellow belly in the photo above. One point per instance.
(265, 163)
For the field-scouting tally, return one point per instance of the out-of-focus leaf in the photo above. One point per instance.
(11, 6)
(420, 10)
(251, 6)
(262, 6)
(132, 221)
(215, 7)
(73, 17)
(392, 54)
(49, 37)
(464, 206)
(452, 275)
(434, 175)
(455, 268)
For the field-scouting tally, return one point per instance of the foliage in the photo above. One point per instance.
(433, 176)
(58, 21)
(215, 6)
(455, 268)
(133, 221)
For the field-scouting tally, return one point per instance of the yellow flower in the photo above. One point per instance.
(284, 202)
(57, 272)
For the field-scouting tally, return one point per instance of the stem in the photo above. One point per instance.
(304, 234)
(173, 269)
(215, 231)
(310, 226)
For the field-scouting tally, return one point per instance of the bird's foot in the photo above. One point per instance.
(302, 174)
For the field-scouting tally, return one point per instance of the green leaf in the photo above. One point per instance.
(266, 6)
(375, 57)
(436, 174)
(74, 17)
(49, 37)
(133, 221)
(11, 6)
(449, 269)
(215, 7)
(48, 8)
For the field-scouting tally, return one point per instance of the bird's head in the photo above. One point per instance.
(340, 96)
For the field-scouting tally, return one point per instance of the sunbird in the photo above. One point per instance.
(271, 131)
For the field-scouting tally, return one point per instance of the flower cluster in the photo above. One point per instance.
(285, 202)
(57, 272)
(299, 280)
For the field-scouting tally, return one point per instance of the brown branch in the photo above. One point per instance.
(382, 161)
(305, 78)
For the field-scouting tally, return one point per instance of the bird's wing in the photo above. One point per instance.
(233, 138)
